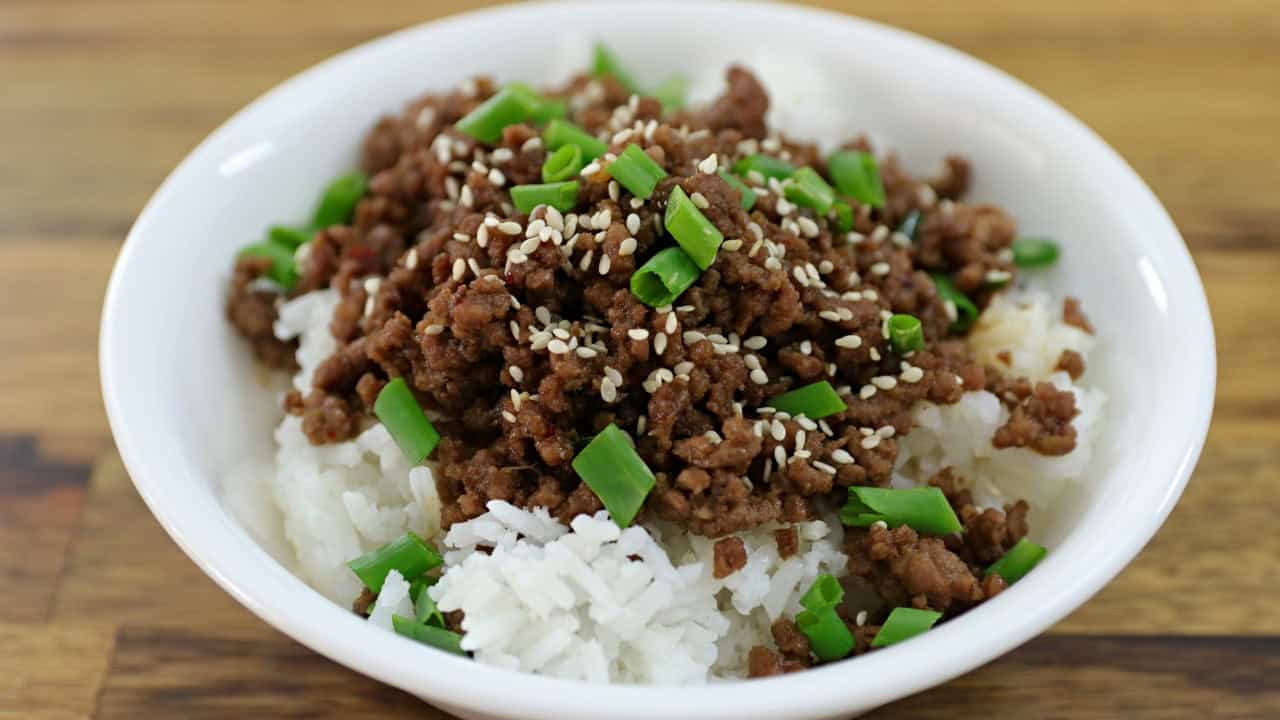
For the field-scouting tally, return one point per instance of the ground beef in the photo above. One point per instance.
(988, 533)
(1072, 363)
(519, 333)
(788, 540)
(365, 601)
(1073, 314)
(730, 557)
(252, 310)
(906, 569)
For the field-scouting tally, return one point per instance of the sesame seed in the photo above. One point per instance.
(465, 198)
(605, 262)
(474, 266)
(672, 324)
(590, 170)
(713, 436)
(823, 467)
(700, 200)
(799, 274)
(508, 416)
(884, 382)
(808, 227)
(693, 336)
(557, 347)
(759, 377)
(755, 342)
(851, 342)
(637, 203)
(831, 369)
(900, 240)
(886, 431)
(879, 234)
(880, 268)
(806, 423)
(640, 424)
(731, 245)
(861, 618)
(510, 227)
(806, 347)
(758, 428)
(912, 374)
(497, 178)
(683, 367)
(515, 329)
(608, 391)
(998, 277)
(638, 334)
(659, 344)
(615, 191)
(801, 436)
(830, 315)
(784, 207)
(461, 237)
(871, 443)
(755, 248)
(585, 353)
(841, 456)
(871, 295)
(780, 455)
(459, 268)
(515, 257)
(561, 333)
(433, 329)
(411, 260)
(867, 391)
(772, 264)
(539, 340)
(586, 260)
(684, 308)
(516, 373)
(855, 238)
(709, 164)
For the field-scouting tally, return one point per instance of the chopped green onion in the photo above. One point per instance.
(814, 401)
(856, 174)
(561, 196)
(767, 165)
(513, 104)
(399, 411)
(966, 311)
(807, 189)
(563, 164)
(661, 280)
(829, 637)
(636, 171)
(905, 333)
(605, 63)
(290, 237)
(825, 593)
(424, 608)
(283, 270)
(544, 109)
(436, 637)
(408, 555)
(339, 200)
(910, 225)
(748, 195)
(1018, 561)
(696, 234)
(671, 92)
(844, 216)
(1034, 252)
(904, 623)
(610, 466)
(924, 509)
(417, 585)
(562, 132)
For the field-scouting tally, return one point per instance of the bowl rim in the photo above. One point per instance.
(462, 684)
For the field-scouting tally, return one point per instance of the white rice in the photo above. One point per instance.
(570, 602)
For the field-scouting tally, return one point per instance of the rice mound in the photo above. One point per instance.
(574, 602)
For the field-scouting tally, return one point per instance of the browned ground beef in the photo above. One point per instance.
(788, 540)
(252, 311)
(730, 556)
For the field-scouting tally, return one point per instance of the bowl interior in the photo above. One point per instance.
(187, 404)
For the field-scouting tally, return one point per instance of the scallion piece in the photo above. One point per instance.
(910, 225)
(855, 173)
(814, 401)
(339, 200)
(408, 555)
(436, 637)
(560, 195)
(766, 165)
(610, 466)
(424, 608)
(513, 104)
(543, 109)
(748, 195)
(636, 171)
(563, 164)
(844, 216)
(1034, 252)
(562, 132)
(966, 311)
(288, 236)
(825, 593)
(696, 234)
(904, 623)
(806, 188)
(1023, 556)
(399, 411)
(283, 270)
(923, 509)
(905, 333)
(661, 280)
(829, 637)
(605, 63)
(671, 92)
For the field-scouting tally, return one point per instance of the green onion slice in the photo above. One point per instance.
(562, 196)
(910, 225)
(436, 637)
(544, 109)
(424, 608)
(513, 104)
(904, 623)
(610, 466)
(339, 200)
(966, 311)
(807, 189)
(289, 236)
(766, 165)
(856, 174)
(905, 333)
(661, 280)
(829, 637)
(825, 593)
(283, 270)
(844, 216)
(605, 63)
(408, 555)
(695, 233)
(1034, 252)
(1018, 561)
(563, 164)
(748, 195)
(399, 411)
(924, 509)
(814, 401)
(636, 171)
(672, 91)
(562, 132)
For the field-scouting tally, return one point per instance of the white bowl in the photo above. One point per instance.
(184, 405)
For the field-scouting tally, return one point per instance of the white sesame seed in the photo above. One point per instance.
(459, 268)
(879, 234)
(801, 436)
(539, 340)
(806, 423)
(638, 334)
(823, 467)
(516, 373)
(880, 268)
(683, 367)
(772, 263)
(433, 329)
(700, 200)
(561, 333)
(755, 342)
(590, 169)
(461, 237)
(627, 247)
(861, 618)
(709, 165)
(515, 329)
(912, 374)
(465, 198)
(672, 324)
(636, 203)
(808, 227)
(497, 178)
(867, 391)
(608, 391)
(659, 344)
(885, 382)
(759, 377)
(411, 260)
(516, 257)
(780, 455)
(605, 263)
(615, 191)
(886, 431)
(851, 342)
(733, 245)
(557, 347)
(752, 362)
(586, 260)
(900, 240)
(585, 353)
(870, 443)
(693, 336)
(841, 456)
(830, 315)
(800, 275)
(806, 347)
(784, 207)
(474, 266)
(510, 227)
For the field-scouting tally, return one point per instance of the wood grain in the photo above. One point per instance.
(102, 616)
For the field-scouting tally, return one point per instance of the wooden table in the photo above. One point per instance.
(103, 616)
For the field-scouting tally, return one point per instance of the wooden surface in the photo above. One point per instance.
(101, 615)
